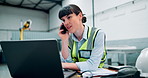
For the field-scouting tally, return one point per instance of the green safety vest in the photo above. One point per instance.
(86, 47)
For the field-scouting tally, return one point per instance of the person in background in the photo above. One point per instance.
(83, 47)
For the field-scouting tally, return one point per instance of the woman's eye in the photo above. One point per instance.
(63, 20)
(69, 17)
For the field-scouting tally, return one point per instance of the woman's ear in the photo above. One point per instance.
(80, 15)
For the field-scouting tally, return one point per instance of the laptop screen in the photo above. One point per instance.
(33, 58)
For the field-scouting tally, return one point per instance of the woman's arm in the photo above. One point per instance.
(64, 38)
(64, 50)
(72, 66)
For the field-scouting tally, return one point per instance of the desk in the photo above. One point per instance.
(131, 72)
(4, 73)
(122, 50)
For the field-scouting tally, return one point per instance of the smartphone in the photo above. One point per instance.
(64, 29)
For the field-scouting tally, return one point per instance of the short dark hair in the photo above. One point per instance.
(70, 9)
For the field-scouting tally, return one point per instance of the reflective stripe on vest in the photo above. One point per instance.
(87, 47)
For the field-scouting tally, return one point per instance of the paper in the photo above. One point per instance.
(99, 72)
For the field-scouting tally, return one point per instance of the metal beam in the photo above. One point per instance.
(18, 6)
(93, 13)
(52, 7)
(59, 2)
(37, 4)
(21, 2)
(56, 1)
(4, 1)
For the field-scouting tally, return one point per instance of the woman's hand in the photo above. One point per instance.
(63, 36)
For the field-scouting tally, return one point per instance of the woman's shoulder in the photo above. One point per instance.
(99, 30)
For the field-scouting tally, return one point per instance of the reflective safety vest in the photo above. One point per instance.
(84, 52)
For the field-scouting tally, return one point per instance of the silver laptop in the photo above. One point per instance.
(33, 59)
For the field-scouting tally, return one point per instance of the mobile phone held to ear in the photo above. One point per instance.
(64, 29)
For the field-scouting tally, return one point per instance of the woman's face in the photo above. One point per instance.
(72, 22)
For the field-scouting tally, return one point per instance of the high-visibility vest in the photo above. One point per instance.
(87, 46)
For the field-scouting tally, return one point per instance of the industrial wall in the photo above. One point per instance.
(11, 18)
(124, 22)
(125, 19)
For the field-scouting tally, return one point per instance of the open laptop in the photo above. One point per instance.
(33, 59)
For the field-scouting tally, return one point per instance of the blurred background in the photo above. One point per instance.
(125, 23)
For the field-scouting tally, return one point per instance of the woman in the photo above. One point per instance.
(82, 44)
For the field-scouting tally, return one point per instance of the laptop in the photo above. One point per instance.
(33, 59)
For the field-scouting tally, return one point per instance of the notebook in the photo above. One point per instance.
(33, 58)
